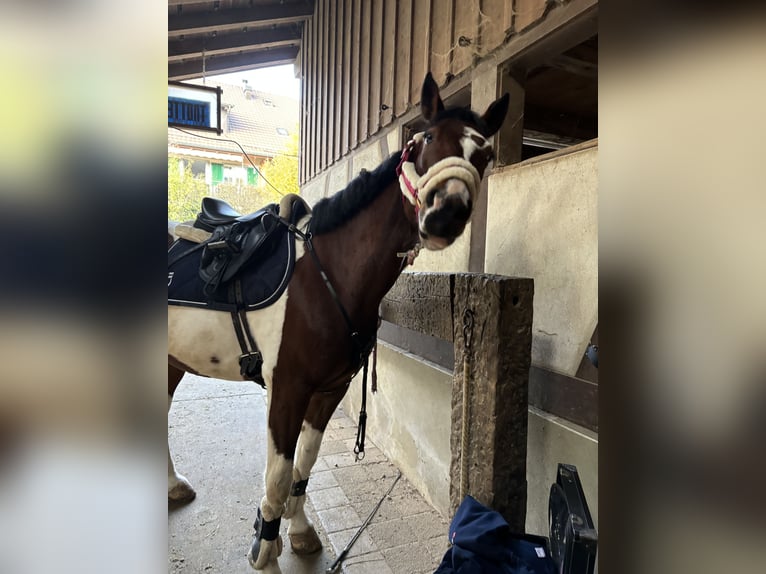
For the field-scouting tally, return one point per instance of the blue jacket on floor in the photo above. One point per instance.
(482, 544)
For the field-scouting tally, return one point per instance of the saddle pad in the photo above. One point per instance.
(263, 281)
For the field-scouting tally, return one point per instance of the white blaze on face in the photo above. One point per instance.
(471, 142)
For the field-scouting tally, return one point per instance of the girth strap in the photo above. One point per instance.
(250, 361)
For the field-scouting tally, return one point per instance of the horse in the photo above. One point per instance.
(314, 337)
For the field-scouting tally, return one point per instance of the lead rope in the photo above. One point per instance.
(467, 343)
(362, 428)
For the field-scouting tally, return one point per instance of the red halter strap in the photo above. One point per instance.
(408, 184)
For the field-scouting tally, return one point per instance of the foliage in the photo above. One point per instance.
(282, 170)
(245, 198)
(185, 191)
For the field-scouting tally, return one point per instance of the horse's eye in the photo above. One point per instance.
(428, 138)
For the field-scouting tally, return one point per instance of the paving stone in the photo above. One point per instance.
(436, 547)
(328, 498)
(319, 466)
(371, 563)
(363, 544)
(391, 533)
(409, 559)
(339, 518)
(407, 504)
(340, 433)
(428, 525)
(339, 460)
(334, 447)
(322, 480)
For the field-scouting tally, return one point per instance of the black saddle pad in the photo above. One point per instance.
(263, 280)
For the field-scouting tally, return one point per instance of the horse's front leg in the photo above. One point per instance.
(179, 489)
(303, 536)
(286, 413)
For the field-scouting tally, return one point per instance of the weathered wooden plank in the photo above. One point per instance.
(527, 12)
(311, 136)
(421, 44)
(465, 37)
(330, 79)
(499, 356)
(403, 57)
(492, 24)
(389, 55)
(356, 43)
(571, 398)
(316, 80)
(508, 140)
(346, 115)
(442, 12)
(364, 70)
(376, 65)
(304, 104)
(324, 25)
(421, 302)
(338, 99)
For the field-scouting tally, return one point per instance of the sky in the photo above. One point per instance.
(275, 80)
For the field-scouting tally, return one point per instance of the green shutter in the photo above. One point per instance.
(252, 176)
(217, 173)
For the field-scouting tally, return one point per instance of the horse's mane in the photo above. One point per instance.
(332, 212)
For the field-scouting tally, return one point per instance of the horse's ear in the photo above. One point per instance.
(495, 114)
(430, 101)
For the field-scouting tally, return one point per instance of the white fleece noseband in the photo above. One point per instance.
(416, 187)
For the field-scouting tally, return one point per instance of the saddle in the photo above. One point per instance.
(256, 247)
(237, 239)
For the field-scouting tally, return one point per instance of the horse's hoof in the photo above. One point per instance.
(263, 554)
(181, 491)
(305, 542)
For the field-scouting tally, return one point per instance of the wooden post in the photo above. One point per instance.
(499, 359)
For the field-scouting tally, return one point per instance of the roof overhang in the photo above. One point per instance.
(224, 36)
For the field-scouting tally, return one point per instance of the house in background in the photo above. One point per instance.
(260, 122)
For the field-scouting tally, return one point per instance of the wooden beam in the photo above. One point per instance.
(571, 398)
(236, 42)
(574, 66)
(231, 63)
(497, 360)
(421, 302)
(233, 18)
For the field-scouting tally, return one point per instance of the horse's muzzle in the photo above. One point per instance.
(445, 219)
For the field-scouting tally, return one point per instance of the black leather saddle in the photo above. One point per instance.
(216, 212)
(238, 239)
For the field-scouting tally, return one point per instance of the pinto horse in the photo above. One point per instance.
(423, 195)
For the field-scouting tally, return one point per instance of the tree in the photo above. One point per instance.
(185, 191)
(282, 170)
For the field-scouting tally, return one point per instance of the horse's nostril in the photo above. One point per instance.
(422, 235)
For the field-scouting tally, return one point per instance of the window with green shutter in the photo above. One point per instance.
(252, 176)
(217, 173)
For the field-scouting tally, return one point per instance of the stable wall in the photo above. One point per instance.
(542, 223)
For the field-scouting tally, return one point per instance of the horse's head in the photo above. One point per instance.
(442, 166)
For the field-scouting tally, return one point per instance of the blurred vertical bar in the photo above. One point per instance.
(82, 328)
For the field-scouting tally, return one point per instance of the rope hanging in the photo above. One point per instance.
(467, 344)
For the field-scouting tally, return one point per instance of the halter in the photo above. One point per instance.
(415, 187)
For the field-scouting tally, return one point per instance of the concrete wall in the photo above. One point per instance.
(409, 419)
(552, 440)
(542, 223)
